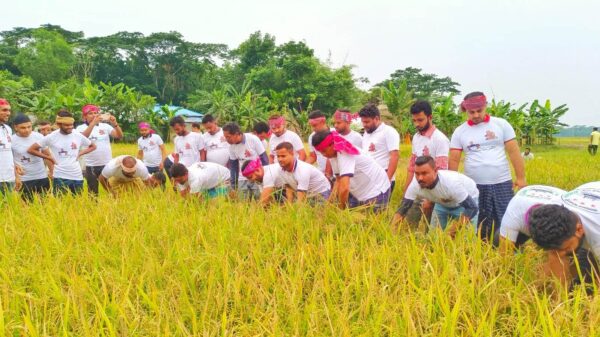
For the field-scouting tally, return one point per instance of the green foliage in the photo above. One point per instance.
(47, 57)
(423, 86)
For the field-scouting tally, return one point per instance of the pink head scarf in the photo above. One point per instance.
(276, 122)
(89, 108)
(251, 167)
(473, 103)
(4, 101)
(344, 116)
(340, 144)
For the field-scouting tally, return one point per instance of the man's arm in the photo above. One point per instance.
(49, 164)
(393, 164)
(312, 157)
(454, 159)
(203, 155)
(301, 154)
(89, 149)
(140, 155)
(343, 190)
(400, 214)
(266, 196)
(117, 132)
(271, 159)
(104, 181)
(289, 194)
(34, 150)
(512, 147)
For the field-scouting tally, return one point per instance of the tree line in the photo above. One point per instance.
(47, 68)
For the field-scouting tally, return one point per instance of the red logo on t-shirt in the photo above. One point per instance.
(426, 151)
(73, 146)
(101, 132)
(248, 154)
(151, 143)
(489, 135)
(188, 146)
(372, 147)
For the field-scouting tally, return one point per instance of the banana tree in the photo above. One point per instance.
(398, 99)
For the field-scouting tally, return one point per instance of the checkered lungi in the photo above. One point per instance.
(379, 203)
(493, 200)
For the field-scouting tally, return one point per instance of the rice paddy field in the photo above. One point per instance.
(155, 265)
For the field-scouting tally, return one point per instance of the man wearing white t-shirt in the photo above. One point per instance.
(318, 122)
(280, 134)
(98, 128)
(65, 145)
(514, 229)
(342, 121)
(7, 164)
(565, 230)
(301, 178)
(151, 149)
(427, 141)
(262, 131)
(243, 147)
(35, 176)
(189, 146)
(360, 181)
(380, 141)
(217, 148)
(205, 179)
(485, 140)
(454, 194)
(268, 176)
(124, 173)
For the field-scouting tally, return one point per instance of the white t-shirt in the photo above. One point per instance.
(306, 178)
(434, 143)
(380, 143)
(287, 136)
(483, 145)
(150, 147)
(367, 178)
(321, 160)
(65, 150)
(189, 147)
(273, 176)
(217, 148)
(113, 169)
(101, 137)
(7, 164)
(354, 138)
(33, 166)
(451, 189)
(249, 149)
(204, 176)
(513, 221)
(585, 201)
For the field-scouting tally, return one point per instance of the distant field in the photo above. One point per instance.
(154, 265)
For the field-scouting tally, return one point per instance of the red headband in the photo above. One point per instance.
(316, 121)
(276, 122)
(340, 144)
(89, 108)
(251, 167)
(344, 116)
(473, 103)
(3, 101)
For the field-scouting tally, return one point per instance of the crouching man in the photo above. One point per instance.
(204, 179)
(127, 174)
(454, 194)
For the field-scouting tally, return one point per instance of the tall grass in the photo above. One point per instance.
(155, 265)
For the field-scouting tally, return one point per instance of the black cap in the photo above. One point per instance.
(20, 119)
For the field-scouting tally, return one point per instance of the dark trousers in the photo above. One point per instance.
(67, 185)
(33, 187)
(152, 169)
(592, 149)
(167, 165)
(493, 200)
(91, 177)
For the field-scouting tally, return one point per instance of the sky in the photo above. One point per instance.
(517, 51)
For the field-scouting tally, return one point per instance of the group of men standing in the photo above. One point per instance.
(342, 166)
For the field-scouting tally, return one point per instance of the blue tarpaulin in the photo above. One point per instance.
(189, 115)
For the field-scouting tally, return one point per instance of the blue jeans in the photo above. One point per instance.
(152, 169)
(441, 215)
(67, 185)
